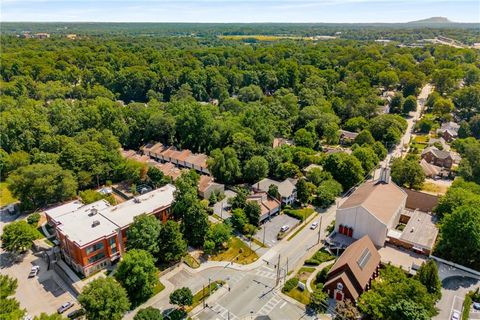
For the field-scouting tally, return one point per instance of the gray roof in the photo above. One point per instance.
(440, 154)
(285, 187)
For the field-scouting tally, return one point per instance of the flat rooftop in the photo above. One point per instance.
(124, 213)
(86, 223)
(420, 230)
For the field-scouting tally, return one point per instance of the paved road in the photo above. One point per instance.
(253, 290)
(454, 290)
(411, 120)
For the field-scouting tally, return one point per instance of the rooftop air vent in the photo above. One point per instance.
(92, 212)
(136, 200)
(95, 223)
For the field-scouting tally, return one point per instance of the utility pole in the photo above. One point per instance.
(287, 267)
(209, 287)
(203, 294)
(278, 271)
(264, 228)
(319, 229)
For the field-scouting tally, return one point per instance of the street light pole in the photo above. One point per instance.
(264, 229)
(319, 229)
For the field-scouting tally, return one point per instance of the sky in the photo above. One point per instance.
(344, 11)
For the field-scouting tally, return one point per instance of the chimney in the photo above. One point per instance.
(384, 175)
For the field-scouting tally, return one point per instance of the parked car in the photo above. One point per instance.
(284, 228)
(455, 315)
(476, 305)
(64, 307)
(34, 271)
(314, 225)
(76, 314)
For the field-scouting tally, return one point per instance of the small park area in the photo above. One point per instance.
(237, 251)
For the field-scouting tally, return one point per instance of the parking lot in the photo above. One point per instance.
(43, 293)
(272, 227)
(454, 290)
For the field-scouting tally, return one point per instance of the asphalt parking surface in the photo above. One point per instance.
(272, 227)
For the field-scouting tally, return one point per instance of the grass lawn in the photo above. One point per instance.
(203, 294)
(299, 295)
(158, 288)
(237, 252)
(191, 261)
(304, 273)
(300, 214)
(421, 139)
(319, 257)
(434, 188)
(6, 196)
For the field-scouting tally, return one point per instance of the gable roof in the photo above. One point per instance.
(440, 154)
(286, 187)
(361, 258)
(348, 134)
(379, 198)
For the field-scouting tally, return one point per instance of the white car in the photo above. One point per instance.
(34, 271)
(455, 315)
(314, 225)
(284, 228)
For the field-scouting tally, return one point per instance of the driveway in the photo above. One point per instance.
(454, 290)
(222, 208)
(44, 293)
(271, 228)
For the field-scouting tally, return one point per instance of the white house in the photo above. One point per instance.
(286, 188)
(372, 209)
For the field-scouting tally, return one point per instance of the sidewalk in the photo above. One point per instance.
(314, 273)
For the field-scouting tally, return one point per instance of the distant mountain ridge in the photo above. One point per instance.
(432, 20)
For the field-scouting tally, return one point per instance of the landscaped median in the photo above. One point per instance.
(204, 293)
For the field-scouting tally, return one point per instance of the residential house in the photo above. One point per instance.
(353, 271)
(440, 141)
(206, 186)
(372, 209)
(437, 157)
(449, 131)
(347, 137)
(181, 158)
(269, 206)
(278, 142)
(94, 236)
(286, 188)
(430, 170)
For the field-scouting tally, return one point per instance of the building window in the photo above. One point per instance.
(96, 257)
(94, 247)
(112, 243)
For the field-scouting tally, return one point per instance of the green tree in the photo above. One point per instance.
(252, 212)
(156, 177)
(387, 128)
(396, 103)
(148, 313)
(318, 300)
(195, 224)
(250, 93)
(460, 236)
(428, 276)
(9, 307)
(18, 236)
(239, 200)
(224, 165)
(171, 244)
(394, 286)
(182, 297)
(327, 192)
(256, 168)
(219, 233)
(273, 191)
(388, 78)
(367, 156)
(239, 219)
(305, 190)
(442, 108)
(104, 299)
(36, 185)
(143, 234)
(344, 168)
(304, 138)
(137, 274)
(364, 137)
(410, 104)
(408, 310)
(317, 176)
(407, 172)
(33, 219)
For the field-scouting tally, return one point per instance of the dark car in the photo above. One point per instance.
(64, 307)
(76, 314)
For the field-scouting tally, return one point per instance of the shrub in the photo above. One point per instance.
(321, 276)
(33, 219)
(319, 257)
(290, 285)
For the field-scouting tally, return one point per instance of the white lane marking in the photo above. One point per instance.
(283, 304)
